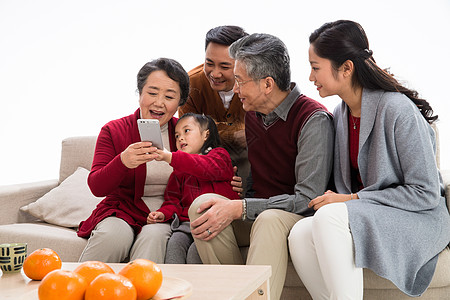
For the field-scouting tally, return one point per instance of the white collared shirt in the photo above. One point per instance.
(226, 98)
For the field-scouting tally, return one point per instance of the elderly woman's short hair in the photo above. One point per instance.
(174, 70)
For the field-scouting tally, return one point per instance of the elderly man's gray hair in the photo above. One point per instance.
(264, 55)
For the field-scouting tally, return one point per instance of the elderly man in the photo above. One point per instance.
(212, 94)
(290, 149)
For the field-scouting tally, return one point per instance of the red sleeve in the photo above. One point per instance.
(172, 198)
(214, 166)
(107, 170)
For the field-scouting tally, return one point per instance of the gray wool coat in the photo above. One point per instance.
(400, 222)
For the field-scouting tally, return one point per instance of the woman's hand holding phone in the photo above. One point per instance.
(137, 154)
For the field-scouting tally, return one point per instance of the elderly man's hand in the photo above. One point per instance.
(219, 213)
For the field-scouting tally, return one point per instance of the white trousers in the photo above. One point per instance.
(321, 249)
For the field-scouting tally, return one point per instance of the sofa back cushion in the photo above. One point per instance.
(79, 152)
(76, 152)
(67, 204)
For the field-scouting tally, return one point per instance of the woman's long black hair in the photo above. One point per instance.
(206, 123)
(344, 40)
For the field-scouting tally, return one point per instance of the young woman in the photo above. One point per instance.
(388, 213)
(199, 166)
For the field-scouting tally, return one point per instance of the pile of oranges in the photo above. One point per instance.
(139, 279)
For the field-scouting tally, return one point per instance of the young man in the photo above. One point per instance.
(290, 149)
(212, 94)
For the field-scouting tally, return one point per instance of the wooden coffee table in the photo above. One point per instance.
(208, 281)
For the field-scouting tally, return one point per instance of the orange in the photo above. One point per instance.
(110, 286)
(41, 262)
(145, 275)
(91, 269)
(62, 285)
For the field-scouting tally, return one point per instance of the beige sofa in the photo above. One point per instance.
(16, 225)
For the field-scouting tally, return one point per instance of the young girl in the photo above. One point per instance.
(389, 212)
(199, 166)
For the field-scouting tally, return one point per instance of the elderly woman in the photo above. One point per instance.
(126, 174)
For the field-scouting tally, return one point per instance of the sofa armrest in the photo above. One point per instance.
(446, 179)
(13, 197)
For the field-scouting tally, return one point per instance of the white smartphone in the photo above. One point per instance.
(150, 131)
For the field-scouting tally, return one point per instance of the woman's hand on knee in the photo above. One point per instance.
(327, 198)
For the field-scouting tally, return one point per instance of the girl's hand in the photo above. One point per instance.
(236, 183)
(155, 217)
(330, 197)
(163, 155)
(137, 154)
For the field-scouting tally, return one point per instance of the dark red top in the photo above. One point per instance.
(110, 178)
(272, 173)
(194, 175)
(353, 138)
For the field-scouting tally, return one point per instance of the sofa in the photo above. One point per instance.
(46, 214)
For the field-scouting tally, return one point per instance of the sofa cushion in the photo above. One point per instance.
(41, 235)
(68, 204)
(441, 277)
(76, 152)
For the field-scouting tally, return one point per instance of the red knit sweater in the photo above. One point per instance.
(194, 175)
(122, 187)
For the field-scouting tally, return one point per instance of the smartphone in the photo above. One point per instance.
(150, 131)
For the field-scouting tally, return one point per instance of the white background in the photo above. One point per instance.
(68, 67)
